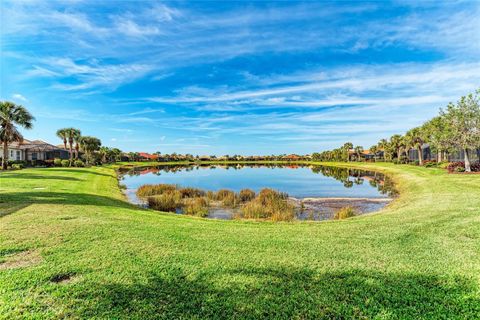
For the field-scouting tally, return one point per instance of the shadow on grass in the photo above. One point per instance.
(81, 170)
(35, 176)
(12, 202)
(283, 294)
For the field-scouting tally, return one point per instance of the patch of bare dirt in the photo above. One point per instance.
(63, 278)
(22, 259)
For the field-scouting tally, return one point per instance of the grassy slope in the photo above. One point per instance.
(419, 258)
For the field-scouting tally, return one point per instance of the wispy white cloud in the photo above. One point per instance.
(18, 96)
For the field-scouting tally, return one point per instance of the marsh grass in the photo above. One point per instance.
(169, 201)
(344, 213)
(269, 204)
(191, 192)
(155, 189)
(196, 206)
(246, 195)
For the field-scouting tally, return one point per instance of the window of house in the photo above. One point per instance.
(19, 155)
(11, 154)
(34, 156)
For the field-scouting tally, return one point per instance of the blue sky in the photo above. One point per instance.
(236, 77)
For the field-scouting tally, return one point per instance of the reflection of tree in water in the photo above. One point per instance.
(383, 183)
(347, 176)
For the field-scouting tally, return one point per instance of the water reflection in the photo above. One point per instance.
(319, 190)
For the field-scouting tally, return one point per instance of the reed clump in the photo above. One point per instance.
(196, 206)
(246, 195)
(344, 213)
(155, 189)
(169, 201)
(269, 204)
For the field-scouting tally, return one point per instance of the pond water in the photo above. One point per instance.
(322, 190)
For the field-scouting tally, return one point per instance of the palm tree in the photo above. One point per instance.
(12, 114)
(374, 149)
(104, 153)
(358, 151)
(384, 145)
(89, 145)
(396, 143)
(76, 139)
(415, 139)
(62, 134)
(346, 148)
(72, 135)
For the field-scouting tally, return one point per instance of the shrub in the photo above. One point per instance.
(57, 162)
(459, 169)
(65, 163)
(416, 163)
(155, 189)
(196, 207)
(79, 163)
(191, 192)
(443, 164)
(475, 167)
(344, 213)
(430, 163)
(452, 166)
(170, 201)
(17, 166)
(246, 195)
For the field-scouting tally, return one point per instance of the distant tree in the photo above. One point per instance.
(104, 153)
(397, 143)
(384, 146)
(415, 138)
(463, 119)
(347, 146)
(374, 150)
(62, 134)
(69, 135)
(358, 151)
(12, 114)
(89, 145)
(439, 135)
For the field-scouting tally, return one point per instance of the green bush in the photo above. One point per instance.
(443, 164)
(57, 162)
(65, 163)
(344, 213)
(79, 164)
(17, 166)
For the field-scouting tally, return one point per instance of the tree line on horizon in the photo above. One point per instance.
(456, 128)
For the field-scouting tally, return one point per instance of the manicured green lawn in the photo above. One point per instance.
(71, 247)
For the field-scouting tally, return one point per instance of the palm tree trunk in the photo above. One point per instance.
(467, 161)
(420, 155)
(5, 155)
(71, 153)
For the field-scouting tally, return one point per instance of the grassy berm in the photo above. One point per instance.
(72, 247)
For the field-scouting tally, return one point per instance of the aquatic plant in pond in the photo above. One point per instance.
(344, 213)
(268, 204)
(316, 191)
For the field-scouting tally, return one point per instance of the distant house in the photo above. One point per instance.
(292, 157)
(34, 150)
(143, 156)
